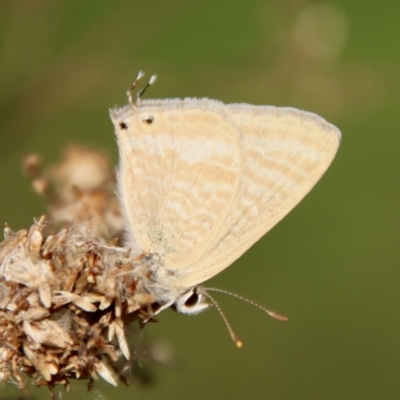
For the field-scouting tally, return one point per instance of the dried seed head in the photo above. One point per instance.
(64, 303)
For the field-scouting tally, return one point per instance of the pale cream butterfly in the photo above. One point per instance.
(201, 181)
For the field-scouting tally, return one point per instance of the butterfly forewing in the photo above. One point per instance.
(178, 176)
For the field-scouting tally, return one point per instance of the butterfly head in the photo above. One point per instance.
(191, 302)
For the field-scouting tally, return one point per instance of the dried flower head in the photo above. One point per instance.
(64, 303)
(65, 298)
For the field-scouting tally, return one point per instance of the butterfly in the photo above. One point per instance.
(200, 181)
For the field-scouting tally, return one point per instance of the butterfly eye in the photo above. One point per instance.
(148, 119)
(192, 300)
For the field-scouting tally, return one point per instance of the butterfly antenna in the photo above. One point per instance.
(269, 312)
(129, 91)
(149, 83)
(233, 335)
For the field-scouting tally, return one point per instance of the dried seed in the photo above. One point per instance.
(45, 294)
(45, 367)
(47, 332)
(105, 373)
(111, 331)
(33, 314)
(12, 241)
(123, 344)
(63, 297)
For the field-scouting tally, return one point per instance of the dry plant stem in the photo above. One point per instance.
(64, 302)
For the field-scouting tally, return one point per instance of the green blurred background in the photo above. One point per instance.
(331, 266)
